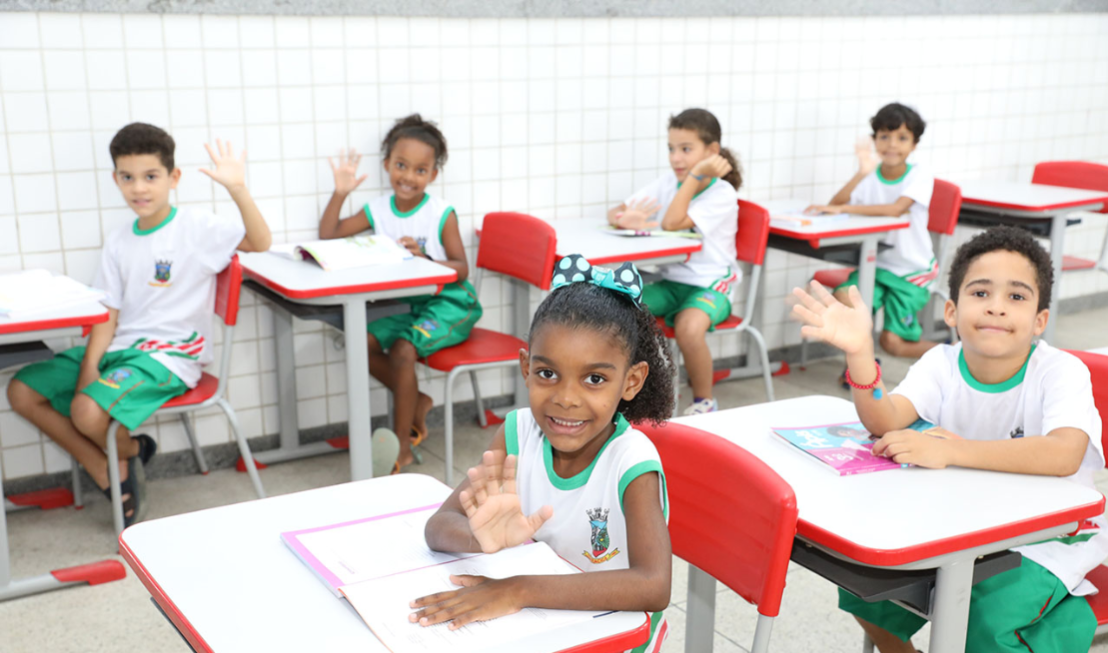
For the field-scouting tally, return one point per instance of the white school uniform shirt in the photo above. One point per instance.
(715, 214)
(424, 223)
(1053, 390)
(162, 282)
(910, 254)
(588, 527)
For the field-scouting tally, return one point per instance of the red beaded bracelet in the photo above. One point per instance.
(871, 386)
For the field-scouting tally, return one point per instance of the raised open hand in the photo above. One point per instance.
(230, 171)
(850, 328)
(492, 505)
(346, 172)
(863, 149)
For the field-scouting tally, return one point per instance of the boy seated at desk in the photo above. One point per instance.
(907, 268)
(158, 277)
(1002, 402)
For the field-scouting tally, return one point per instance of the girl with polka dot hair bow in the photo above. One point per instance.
(571, 470)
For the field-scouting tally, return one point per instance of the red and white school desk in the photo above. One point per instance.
(1023, 203)
(59, 323)
(906, 518)
(228, 583)
(1100, 350)
(307, 283)
(852, 241)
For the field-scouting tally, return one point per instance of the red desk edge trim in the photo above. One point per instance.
(686, 250)
(892, 557)
(619, 642)
(179, 620)
(439, 281)
(59, 323)
(1043, 208)
(814, 238)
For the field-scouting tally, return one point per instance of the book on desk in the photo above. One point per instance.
(380, 564)
(26, 294)
(345, 253)
(845, 448)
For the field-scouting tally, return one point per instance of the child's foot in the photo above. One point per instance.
(132, 491)
(419, 423)
(701, 406)
(147, 447)
(386, 452)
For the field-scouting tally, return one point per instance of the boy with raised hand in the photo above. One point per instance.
(1002, 402)
(158, 275)
(907, 267)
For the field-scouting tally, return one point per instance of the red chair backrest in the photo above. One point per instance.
(753, 234)
(1073, 174)
(1098, 369)
(518, 245)
(946, 204)
(729, 513)
(227, 288)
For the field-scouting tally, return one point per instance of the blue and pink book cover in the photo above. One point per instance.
(846, 448)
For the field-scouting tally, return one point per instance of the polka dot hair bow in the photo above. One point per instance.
(625, 279)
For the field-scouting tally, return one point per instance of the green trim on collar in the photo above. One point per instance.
(442, 222)
(511, 434)
(407, 214)
(891, 182)
(710, 183)
(147, 232)
(582, 478)
(992, 388)
(368, 215)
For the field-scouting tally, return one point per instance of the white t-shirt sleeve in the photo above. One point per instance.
(923, 385)
(919, 187)
(714, 208)
(1068, 399)
(109, 279)
(220, 236)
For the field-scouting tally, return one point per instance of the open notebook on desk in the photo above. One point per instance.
(345, 253)
(380, 564)
(25, 294)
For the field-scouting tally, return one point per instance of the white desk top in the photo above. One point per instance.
(226, 573)
(1025, 196)
(898, 516)
(587, 238)
(1099, 350)
(305, 280)
(854, 225)
(81, 315)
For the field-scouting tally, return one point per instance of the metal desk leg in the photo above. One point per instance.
(286, 379)
(867, 267)
(950, 612)
(357, 384)
(700, 624)
(1057, 251)
(521, 323)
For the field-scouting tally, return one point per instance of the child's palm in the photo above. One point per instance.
(230, 171)
(866, 161)
(492, 505)
(848, 328)
(346, 172)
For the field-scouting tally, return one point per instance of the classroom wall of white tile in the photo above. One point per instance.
(559, 118)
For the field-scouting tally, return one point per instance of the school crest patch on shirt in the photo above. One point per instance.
(161, 274)
(598, 519)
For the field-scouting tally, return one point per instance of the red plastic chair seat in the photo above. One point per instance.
(732, 322)
(483, 346)
(203, 391)
(1099, 601)
(1077, 263)
(833, 278)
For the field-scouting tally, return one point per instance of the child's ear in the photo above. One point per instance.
(524, 363)
(174, 177)
(636, 378)
(1040, 321)
(714, 148)
(950, 314)
(115, 178)
(434, 176)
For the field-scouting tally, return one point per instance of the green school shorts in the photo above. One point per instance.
(132, 385)
(668, 298)
(901, 300)
(435, 321)
(1021, 610)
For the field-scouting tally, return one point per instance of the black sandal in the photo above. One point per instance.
(135, 487)
(147, 447)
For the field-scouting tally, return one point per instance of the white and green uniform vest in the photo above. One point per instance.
(1052, 390)
(424, 223)
(909, 254)
(715, 214)
(588, 527)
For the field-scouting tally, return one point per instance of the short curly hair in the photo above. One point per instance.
(424, 131)
(891, 116)
(1008, 239)
(141, 138)
(587, 306)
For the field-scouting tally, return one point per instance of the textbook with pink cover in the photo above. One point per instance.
(846, 448)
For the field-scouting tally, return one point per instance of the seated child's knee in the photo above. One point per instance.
(403, 351)
(22, 397)
(892, 343)
(87, 415)
(691, 325)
